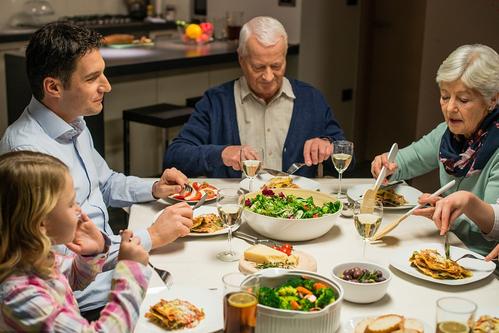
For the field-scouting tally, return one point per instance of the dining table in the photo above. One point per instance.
(192, 261)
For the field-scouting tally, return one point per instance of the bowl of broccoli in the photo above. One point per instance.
(296, 301)
(291, 214)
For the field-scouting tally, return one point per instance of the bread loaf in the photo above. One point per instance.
(117, 39)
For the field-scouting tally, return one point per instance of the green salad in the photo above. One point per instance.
(297, 294)
(272, 204)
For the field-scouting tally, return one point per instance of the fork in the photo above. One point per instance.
(164, 275)
(187, 188)
(294, 167)
(469, 255)
(255, 240)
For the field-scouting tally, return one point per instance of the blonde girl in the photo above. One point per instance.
(38, 210)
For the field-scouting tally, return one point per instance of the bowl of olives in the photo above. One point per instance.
(363, 282)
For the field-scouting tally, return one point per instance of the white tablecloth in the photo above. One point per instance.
(192, 260)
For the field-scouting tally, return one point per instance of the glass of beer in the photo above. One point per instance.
(455, 315)
(240, 303)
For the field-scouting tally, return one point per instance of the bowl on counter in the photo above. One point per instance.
(293, 229)
(362, 292)
(273, 320)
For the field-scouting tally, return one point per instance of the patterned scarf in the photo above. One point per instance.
(465, 157)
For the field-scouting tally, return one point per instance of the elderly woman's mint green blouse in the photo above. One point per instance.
(422, 156)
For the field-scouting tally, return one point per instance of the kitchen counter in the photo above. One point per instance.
(8, 35)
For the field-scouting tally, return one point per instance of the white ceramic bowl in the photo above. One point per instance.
(362, 292)
(272, 320)
(295, 229)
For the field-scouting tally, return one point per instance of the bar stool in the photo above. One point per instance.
(160, 115)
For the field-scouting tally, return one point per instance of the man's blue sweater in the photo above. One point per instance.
(197, 151)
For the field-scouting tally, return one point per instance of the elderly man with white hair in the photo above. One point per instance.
(289, 119)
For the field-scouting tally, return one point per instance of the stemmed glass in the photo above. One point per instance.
(251, 162)
(230, 207)
(367, 224)
(342, 156)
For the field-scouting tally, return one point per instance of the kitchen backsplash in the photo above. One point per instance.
(9, 8)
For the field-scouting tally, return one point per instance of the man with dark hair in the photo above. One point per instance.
(66, 74)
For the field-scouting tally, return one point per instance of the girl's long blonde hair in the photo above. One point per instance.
(31, 184)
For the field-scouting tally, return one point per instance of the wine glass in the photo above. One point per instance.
(367, 224)
(251, 162)
(342, 156)
(230, 207)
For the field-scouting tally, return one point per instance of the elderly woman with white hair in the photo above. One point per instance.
(288, 118)
(465, 146)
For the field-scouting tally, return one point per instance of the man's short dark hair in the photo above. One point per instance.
(54, 50)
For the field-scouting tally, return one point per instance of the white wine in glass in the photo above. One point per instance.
(230, 207)
(367, 224)
(251, 162)
(342, 157)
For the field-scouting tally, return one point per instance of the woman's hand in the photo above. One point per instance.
(88, 238)
(378, 163)
(493, 254)
(427, 200)
(130, 248)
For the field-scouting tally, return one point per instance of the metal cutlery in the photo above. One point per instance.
(393, 225)
(469, 255)
(164, 275)
(200, 202)
(391, 184)
(447, 246)
(255, 240)
(294, 167)
(187, 188)
(276, 173)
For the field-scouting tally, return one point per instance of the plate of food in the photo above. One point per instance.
(188, 309)
(401, 196)
(206, 222)
(385, 323)
(198, 190)
(261, 256)
(427, 262)
(266, 180)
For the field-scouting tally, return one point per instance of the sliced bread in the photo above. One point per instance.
(385, 324)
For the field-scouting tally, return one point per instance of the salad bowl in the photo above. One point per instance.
(299, 227)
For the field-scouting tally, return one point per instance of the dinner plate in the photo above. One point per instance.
(348, 326)
(202, 211)
(306, 262)
(171, 199)
(480, 269)
(261, 179)
(410, 193)
(208, 300)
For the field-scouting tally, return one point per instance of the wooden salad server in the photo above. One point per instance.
(392, 226)
(369, 197)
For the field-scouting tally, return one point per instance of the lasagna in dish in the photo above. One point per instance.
(175, 314)
(431, 263)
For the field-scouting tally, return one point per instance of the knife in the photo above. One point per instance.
(392, 226)
(447, 246)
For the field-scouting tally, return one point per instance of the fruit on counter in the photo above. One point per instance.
(193, 31)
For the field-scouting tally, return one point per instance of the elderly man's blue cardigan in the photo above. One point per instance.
(213, 126)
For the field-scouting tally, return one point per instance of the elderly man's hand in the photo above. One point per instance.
(175, 221)
(231, 156)
(378, 163)
(316, 151)
(172, 181)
